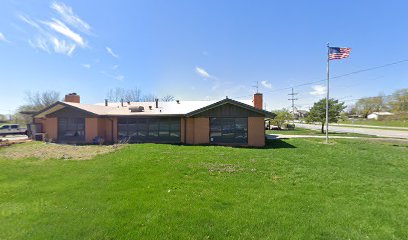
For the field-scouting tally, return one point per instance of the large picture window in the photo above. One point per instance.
(71, 129)
(149, 129)
(229, 130)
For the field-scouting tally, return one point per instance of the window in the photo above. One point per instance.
(228, 130)
(71, 129)
(149, 129)
(14, 126)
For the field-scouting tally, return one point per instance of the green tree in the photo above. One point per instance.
(368, 105)
(399, 101)
(318, 111)
(281, 117)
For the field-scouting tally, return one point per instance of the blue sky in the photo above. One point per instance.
(197, 50)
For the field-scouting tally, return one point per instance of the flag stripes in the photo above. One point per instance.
(338, 53)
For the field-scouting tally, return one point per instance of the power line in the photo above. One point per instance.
(349, 100)
(338, 76)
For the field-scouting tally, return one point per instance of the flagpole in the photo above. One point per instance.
(327, 96)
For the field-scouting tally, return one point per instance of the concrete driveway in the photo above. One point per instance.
(369, 131)
(14, 137)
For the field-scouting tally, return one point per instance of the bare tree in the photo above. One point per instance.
(148, 98)
(115, 95)
(130, 95)
(37, 101)
(167, 98)
(134, 95)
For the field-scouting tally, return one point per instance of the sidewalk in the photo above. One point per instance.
(284, 136)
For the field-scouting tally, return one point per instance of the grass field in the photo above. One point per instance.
(292, 189)
(304, 131)
(389, 123)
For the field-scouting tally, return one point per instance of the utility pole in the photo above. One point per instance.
(293, 103)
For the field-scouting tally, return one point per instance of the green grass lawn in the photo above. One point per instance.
(385, 123)
(292, 189)
(304, 131)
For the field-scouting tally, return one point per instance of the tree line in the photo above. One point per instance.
(396, 103)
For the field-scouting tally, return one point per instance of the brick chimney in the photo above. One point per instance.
(72, 97)
(258, 100)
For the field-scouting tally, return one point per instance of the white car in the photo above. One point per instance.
(10, 129)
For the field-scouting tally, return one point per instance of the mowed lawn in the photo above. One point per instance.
(293, 189)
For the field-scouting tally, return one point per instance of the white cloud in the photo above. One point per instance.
(48, 39)
(266, 84)
(3, 38)
(110, 51)
(29, 21)
(318, 90)
(203, 73)
(118, 77)
(63, 47)
(69, 17)
(86, 65)
(61, 28)
(114, 67)
(40, 43)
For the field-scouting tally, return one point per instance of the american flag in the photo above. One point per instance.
(338, 53)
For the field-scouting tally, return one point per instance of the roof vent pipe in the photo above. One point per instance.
(121, 102)
(106, 102)
(157, 102)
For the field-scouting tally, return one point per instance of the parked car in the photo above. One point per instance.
(9, 129)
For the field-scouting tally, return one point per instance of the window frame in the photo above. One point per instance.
(79, 121)
(151, 129)
(224, 122)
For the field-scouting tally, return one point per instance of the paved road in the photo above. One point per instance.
(370, 126)
(368, 131)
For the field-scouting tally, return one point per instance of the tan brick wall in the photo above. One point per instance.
(201, 130)
(50, 127)
(102, 128)
(190, 130)
(91, 129)
(256, 131)
(197, 130)
(108, 130)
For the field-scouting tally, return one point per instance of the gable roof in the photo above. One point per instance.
(174, 108)
(228, 101)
